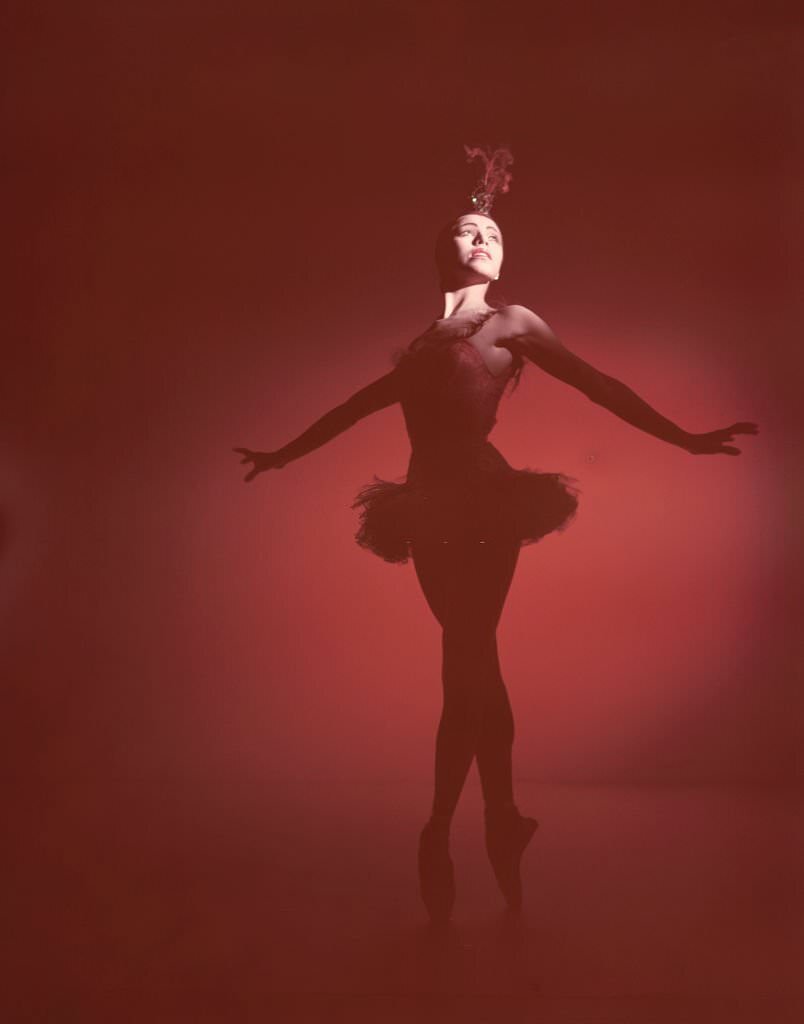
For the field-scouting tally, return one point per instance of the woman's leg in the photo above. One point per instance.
(465, 586)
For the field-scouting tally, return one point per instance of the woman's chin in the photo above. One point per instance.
(469, 278)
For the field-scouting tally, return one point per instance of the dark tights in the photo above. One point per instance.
(465, 585)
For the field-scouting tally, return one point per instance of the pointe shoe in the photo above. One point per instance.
(507, 835)
(436, 872)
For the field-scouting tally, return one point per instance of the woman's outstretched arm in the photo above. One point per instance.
(375, 396)
(532, 338)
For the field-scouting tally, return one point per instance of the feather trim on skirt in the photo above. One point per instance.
(521, 504)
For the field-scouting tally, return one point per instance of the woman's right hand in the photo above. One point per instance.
(714, 442)
(261, 460)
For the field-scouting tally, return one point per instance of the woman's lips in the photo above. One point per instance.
(480, 252)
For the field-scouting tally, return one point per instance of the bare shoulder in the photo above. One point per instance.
(524, 330)
(534, 339)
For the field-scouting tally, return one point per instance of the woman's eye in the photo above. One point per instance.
(467, 231)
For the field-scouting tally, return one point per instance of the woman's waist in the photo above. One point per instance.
(476, 456)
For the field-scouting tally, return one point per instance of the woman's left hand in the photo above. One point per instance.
(714, 443)
(261, 461)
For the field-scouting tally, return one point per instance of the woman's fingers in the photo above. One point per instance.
(248, 456)
(728, 434)
(742, 428)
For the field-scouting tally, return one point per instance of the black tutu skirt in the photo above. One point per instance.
(489, 502)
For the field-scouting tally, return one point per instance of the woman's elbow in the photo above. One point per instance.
(600, 389)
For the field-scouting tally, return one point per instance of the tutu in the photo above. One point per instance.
(519, 504)
(458, 488)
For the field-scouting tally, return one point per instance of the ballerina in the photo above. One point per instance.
(462, 514)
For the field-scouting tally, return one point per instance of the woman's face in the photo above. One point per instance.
(477, 245)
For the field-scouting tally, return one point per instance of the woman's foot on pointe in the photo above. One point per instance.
(507, 835)
(436, 873)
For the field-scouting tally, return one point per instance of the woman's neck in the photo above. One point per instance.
(465, 301)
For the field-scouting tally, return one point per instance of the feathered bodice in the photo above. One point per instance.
(449, 396)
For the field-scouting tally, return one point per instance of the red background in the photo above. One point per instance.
(221, 225)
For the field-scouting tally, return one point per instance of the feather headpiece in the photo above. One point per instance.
(496, 177)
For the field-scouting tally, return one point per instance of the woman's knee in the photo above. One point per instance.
(485, 712)
(498, 721)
